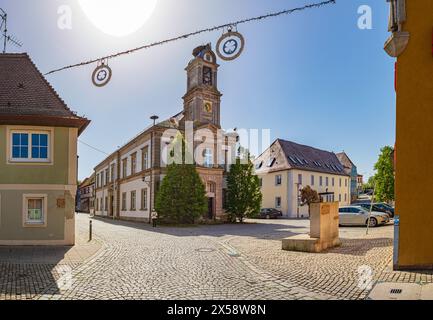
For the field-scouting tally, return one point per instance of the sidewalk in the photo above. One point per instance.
(27, 271)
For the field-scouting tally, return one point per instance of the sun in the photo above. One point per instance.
(118, 18)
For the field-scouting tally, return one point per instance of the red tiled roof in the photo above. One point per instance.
(26, 97)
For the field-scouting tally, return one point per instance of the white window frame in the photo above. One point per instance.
(29, 131)
(43, 223)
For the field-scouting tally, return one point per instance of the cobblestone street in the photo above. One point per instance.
(134, 261)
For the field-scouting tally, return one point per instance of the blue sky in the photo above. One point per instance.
(313, 77)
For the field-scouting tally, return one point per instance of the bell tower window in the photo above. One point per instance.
(207, 76)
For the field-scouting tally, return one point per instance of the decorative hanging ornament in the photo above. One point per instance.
(102, 74)
(230, 45)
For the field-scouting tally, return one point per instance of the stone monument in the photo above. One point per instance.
(324, 232)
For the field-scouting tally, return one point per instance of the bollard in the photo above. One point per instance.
(90, 230)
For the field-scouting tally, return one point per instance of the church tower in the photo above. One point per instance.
(202, 99)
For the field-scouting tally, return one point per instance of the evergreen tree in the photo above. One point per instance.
(182, 195)
(244, 197)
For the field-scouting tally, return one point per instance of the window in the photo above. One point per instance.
(35, 210)
(124, 168)
(143, 199)
(277, 202)
(333, 181)
(312, 180)
(278, 180)
(259, 165)
(271, 162)
(102, 204)
(112, 172)
(30, 146)
(107, 176)
(124, 201)
(261, 182)
(340, 182)
(327, 181)
(102, 178)
(133, 200)
(320, 180)
(208, 158)
(345, 197)
(106, 204)
(300, 178)
(345, 182)
(133, 163)
(339, 197)
(145, 158)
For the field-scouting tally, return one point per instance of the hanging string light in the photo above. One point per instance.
(229, 47)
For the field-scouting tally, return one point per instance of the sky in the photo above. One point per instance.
(313, 77)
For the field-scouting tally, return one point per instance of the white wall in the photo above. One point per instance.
(306, 181)
(136, 185)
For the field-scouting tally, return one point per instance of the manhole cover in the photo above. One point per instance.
(205, 250)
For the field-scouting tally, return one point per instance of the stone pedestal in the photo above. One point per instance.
(324, 232)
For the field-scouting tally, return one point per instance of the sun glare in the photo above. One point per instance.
(118, 17)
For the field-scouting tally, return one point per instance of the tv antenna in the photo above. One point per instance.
(4, 30)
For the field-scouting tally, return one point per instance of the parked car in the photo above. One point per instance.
(358, 216)
(379, 207)
(270, 213)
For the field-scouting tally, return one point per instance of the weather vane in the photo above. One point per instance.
(4, 30)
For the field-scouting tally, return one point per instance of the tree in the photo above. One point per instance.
(244, 197)
(182, 195)
(309, 196)
(384, 177)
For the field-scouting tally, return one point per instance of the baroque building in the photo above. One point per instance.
(127, 180)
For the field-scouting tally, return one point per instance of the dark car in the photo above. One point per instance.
(270, 213)
(379, 207)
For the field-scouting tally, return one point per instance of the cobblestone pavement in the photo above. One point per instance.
(212, 262)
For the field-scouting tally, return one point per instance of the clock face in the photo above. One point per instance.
(207, 76)
(207, 106)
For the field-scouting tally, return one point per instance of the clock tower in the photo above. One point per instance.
(202, 99)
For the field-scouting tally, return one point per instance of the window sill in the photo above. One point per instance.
(35, 225)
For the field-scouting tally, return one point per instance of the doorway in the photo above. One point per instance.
(211, 206)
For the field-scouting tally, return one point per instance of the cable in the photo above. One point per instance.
(94, 148)
(227, 25)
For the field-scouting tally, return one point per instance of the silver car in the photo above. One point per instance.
(358, 216)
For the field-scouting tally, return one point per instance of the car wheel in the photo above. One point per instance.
(373, 222)
(268, 216)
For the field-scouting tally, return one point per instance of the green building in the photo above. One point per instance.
(38, 157)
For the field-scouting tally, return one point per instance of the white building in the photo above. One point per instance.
(286, 167)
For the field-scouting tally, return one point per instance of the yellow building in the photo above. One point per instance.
(411, 24)
(286, 167)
